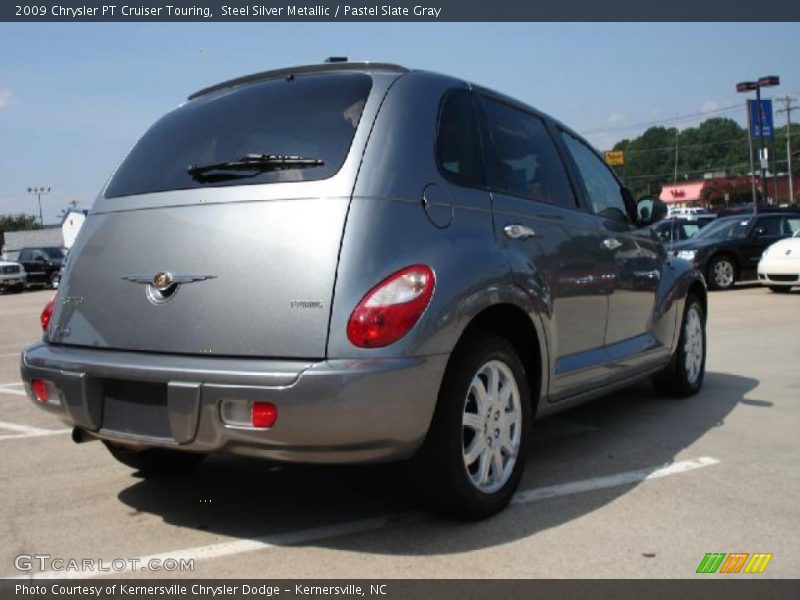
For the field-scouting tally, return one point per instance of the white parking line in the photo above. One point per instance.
(609, 481)
(10, 354)
(7, 388)
(366, 525)
(26, 431)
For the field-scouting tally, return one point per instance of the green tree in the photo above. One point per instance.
(716, 145)
(18, 222)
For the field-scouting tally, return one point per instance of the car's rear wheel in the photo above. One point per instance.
(721, 274)
(55, 279)
(155, 462)
(685, 372)
(780, 289)
(473, 457)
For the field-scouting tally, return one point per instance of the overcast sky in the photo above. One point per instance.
(75, 97)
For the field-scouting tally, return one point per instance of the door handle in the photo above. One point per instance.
(611, 243)
(515, 231)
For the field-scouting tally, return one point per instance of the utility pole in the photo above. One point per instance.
(675, 178)
(788, 108)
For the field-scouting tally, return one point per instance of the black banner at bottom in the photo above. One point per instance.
(713, 588)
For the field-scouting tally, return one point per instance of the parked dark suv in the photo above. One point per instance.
(43, 264)
(728, 249)
(353, 263)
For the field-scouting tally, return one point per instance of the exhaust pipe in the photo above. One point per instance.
(79, 436)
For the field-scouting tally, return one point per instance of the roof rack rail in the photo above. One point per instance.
(300, 70)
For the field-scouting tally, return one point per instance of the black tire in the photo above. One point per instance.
(780, 289)
(677, 378)
(714, 279)
(55, 279)
(156, 462)
(439, 467)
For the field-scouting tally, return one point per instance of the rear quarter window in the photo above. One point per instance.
(521, 158)
(313, 116)
(458, 142)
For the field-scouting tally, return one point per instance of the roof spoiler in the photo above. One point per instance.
(301, 70)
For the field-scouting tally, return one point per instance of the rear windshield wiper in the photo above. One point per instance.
(256, 163)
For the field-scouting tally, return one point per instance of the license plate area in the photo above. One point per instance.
(136, 407)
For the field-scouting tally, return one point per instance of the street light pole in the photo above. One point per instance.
(748, 86)
(760, 122)
(750, 143)
(39, 192)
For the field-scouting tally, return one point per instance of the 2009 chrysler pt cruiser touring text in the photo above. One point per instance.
(354, 262)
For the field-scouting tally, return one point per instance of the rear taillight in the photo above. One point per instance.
(47, 313)
(39, 388)
(391, 308)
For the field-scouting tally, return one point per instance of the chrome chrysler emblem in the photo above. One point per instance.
(163, 286)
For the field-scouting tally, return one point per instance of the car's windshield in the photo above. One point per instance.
(305, 116)
(727, 229)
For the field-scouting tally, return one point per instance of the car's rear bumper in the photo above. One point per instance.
(335, 411)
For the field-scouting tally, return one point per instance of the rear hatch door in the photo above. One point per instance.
(238, 261)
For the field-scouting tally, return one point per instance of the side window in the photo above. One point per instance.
(521, 158)
(24, 255)
(770, 227)
(458, 145)
(791, 226)
(602, 188)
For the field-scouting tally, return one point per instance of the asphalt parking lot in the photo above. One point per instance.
(633, 485)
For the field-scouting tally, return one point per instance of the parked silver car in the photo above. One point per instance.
(350, 263)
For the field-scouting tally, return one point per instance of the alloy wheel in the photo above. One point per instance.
(492, 426)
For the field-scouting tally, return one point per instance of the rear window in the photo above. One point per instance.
(313, 116)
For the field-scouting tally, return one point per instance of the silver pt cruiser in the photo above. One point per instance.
(355, 262)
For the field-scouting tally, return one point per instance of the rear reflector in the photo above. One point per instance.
(247, 414)
(263, 414)
(39, 388)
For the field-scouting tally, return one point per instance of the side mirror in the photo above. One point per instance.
(760, 231)
(650, 209)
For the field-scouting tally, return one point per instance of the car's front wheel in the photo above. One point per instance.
(721, 274)
(685, 372)
(155, 462)
(473, 457)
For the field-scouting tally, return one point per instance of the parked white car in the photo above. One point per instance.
(779, 267)
(693, 211)
(12, 276)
